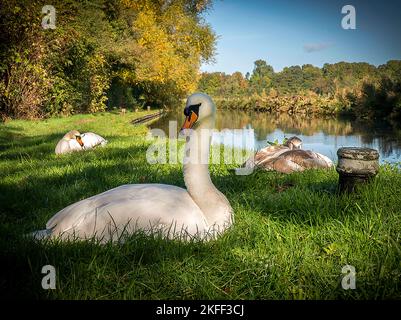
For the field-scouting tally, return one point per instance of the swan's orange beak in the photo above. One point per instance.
(189, 121)
(80, 141)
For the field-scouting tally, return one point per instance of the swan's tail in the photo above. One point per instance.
(40, 234)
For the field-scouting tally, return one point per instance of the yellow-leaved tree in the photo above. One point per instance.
(172, 40)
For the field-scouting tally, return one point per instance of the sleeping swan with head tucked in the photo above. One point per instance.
(200, 211)
(75, 141)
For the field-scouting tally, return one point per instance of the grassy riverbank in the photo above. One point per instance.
(292, 234)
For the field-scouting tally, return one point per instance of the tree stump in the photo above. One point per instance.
(356, 166)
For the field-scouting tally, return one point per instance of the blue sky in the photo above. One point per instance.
(296, 32)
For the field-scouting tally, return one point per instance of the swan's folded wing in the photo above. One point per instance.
(125, 215)
(284, 165)
(62, 147)
(298, 160)
(144, 206)
(92, 140)
(66, 146)
(263, 158)
(309, 159)
(71, 216)
(327, 160)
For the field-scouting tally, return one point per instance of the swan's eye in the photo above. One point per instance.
(187, 112)
(192, 108)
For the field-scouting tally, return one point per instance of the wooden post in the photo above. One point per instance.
(356, 166)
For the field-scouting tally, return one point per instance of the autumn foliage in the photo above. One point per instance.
(358, 89)
(102, 54)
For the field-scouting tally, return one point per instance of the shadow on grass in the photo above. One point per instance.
(21, 263)
(8, 134)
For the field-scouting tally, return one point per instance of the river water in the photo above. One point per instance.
(321, 135)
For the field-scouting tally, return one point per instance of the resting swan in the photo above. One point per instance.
(74, 141)
(288, 158)
(200, 211)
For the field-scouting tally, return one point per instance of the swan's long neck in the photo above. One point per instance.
(212, 202)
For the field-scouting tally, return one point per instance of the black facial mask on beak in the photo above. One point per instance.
(191, 115)
(192, 108)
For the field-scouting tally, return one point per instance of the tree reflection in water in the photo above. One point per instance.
(323, 135)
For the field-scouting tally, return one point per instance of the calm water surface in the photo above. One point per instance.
(321, 135)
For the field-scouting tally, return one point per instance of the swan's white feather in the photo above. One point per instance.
(141, 206)
(89, 139)
(66, 146)
(92, 140)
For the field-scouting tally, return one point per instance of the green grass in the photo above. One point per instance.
(291, 238)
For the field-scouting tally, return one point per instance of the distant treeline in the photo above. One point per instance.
(101, 54)
(360, 89)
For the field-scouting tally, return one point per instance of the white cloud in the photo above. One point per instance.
(313, 47)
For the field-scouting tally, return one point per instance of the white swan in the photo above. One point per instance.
(200, 211)
(74, 141)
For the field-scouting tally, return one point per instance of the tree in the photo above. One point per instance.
(262, 76)
(142, 48)
(391, 69)
(312, 76)
(211, 83)
(289, 80)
